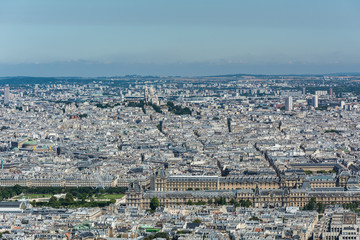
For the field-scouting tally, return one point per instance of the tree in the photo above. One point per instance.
(154, 203)
(53, 202)
(17, 189)
(190, 202)
(162, 235)
(210, 201)
(320, 207)
(52, 199)
(246, 203)
(311, 205)
(221, 201)
(197, 221)
(69, 198)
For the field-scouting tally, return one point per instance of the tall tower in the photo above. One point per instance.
(6, 95)
(229, 124)
(289, 103)
(315, 101)
(146, 94)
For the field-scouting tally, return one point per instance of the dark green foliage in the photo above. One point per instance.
(178, 110)
(69, 198)
(245, 203)
(220, 201)
(197, 221)
(311, 204)
(320, 207)
(9, 192)
(254, 218)
(107, 105)
(332, 131)
(162, 235)
(155, 107)
(154, 203)
(314, 206)
(4, 128)
(139, 104)
(68, 202)
(158, 235)
(352, 206)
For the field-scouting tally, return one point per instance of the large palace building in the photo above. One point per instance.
(261, 191)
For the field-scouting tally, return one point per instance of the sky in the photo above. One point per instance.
(189, 38)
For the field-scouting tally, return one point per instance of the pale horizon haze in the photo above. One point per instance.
(189, 38)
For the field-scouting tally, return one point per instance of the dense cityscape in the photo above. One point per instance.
(144, 157)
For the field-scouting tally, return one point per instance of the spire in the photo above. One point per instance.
(257, 191)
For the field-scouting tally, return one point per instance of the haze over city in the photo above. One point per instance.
(96, 38)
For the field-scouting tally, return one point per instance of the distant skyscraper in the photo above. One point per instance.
(6, 94)
(288, 103)
(229, 124)
(315, 101)
(58, 150)
(342, 104)
(331, 92)
(304, 91)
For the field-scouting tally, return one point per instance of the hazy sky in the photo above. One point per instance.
(164, 37)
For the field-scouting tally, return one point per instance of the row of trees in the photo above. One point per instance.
(158, 235)
(320, 207)
(107, 105)
(140, 104)
(81, 192)
(313, 205)
(70, 202)
(352, 206)
(178, 110)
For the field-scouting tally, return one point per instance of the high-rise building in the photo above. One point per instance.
(288, 103)
(331, 92)
(315, 101)
(229, 124)
(58, 151)
(342, 104)
(6, 94)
